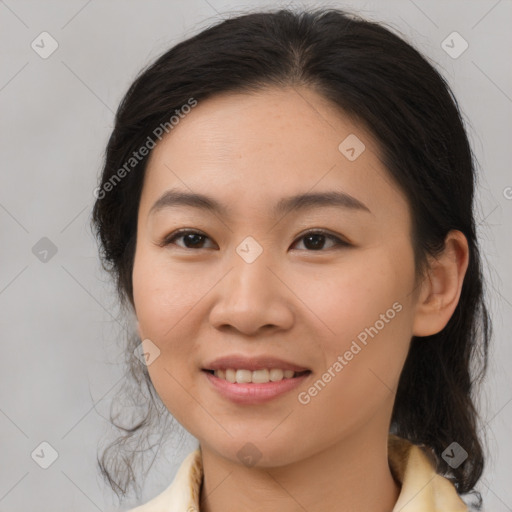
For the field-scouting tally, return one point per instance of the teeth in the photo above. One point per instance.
(243, 376)
(257, 376)
(276, 374)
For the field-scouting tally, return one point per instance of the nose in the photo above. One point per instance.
(252, 297)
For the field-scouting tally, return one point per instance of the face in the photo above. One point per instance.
(322, 286)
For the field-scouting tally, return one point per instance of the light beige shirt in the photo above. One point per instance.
(422, 489)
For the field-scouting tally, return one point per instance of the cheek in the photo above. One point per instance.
(163, 295)
(169, 310)
(362, 366)
(366, 312)
(352, 295)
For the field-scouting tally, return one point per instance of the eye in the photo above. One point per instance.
(315, 240)
(192, 239)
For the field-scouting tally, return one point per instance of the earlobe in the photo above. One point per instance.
(442, 287)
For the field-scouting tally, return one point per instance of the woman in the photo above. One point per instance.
(287, 209)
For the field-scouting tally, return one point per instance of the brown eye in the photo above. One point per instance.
(315, 240)
(191, 239)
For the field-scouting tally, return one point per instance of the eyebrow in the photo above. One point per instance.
(175, 198)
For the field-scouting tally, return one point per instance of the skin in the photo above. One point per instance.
(295, 302)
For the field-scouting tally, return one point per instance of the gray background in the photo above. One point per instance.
(61, 339)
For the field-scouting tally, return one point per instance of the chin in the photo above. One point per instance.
(256, 450)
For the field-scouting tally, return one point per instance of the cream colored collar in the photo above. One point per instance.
(422, 489)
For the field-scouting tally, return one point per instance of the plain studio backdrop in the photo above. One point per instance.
(61, 342)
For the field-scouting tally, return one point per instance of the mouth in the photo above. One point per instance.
(253, 380)
(260, 376)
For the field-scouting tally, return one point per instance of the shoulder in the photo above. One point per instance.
(422, 488)
(183, 493)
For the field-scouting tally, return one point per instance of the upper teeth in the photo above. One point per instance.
(257, 376)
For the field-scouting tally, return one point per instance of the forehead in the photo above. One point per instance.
(243, 147)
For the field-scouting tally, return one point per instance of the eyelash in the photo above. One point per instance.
(168, 240)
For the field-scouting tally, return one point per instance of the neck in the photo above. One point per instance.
(352, 475)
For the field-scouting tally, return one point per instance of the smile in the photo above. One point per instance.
(242, 389)
(262, 376)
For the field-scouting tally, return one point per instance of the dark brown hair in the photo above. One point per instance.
(374, 76)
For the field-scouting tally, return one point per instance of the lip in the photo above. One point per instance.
(239, 362)
(249, 393)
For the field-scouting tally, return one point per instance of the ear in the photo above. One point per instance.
(440, 290)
